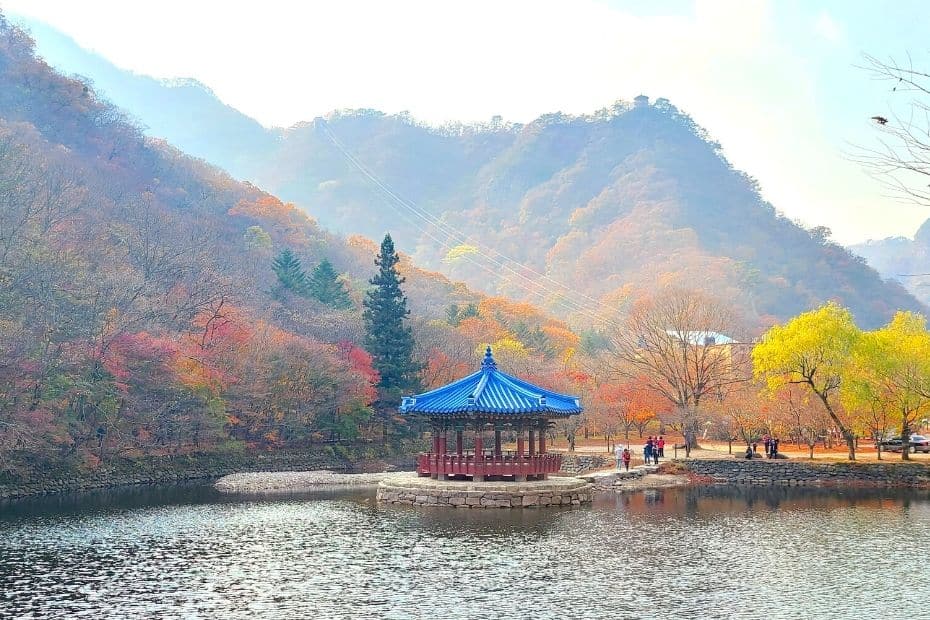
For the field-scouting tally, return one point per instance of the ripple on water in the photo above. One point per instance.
(680, 553)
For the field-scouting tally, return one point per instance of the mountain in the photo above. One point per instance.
(902, 259)
(581, 214)
(608, 206)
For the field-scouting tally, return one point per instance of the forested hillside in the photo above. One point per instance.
(139, 310)
(609, 205)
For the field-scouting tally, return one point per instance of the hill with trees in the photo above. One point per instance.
(141, 303)
(581, 214)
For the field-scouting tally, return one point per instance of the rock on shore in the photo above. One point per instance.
(296, 481)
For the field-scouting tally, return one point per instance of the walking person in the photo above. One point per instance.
(775, 448)
(661, 444)
(647, 451)
(618, 454)
(655, 453)
(626, 456)
(767, 442)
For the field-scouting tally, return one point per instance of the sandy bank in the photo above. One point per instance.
(297, 481)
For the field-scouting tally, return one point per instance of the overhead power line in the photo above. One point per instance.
(534, 287)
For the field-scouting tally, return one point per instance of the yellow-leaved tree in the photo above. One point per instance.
(813, 350)
(888, 381)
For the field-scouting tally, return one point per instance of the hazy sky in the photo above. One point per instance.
(775, 82)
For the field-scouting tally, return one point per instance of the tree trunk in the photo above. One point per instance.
(905, 440)
(847, 434)
(850, 444)
(729, 445)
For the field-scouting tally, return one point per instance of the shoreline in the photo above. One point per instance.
(51, 478)
(323, 468)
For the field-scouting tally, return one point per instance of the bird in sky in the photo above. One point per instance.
(881, 120)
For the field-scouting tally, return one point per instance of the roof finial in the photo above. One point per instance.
(488, 359)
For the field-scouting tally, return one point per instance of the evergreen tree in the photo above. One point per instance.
(452, 315)
(325, 286)
(455, 314)
(290, 274)
(387, 339)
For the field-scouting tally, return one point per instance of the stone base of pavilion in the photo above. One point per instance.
(418, 491)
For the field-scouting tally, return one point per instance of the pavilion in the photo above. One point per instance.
(489, 400)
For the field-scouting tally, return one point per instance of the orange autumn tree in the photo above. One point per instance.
(293, 389)
(625, 406)
(741, 414)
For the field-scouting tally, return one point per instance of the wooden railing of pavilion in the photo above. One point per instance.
(488, 464)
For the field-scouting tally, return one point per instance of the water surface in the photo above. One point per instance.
(187, 552)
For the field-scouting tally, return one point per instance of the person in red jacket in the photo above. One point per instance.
(626, 456)
(661, 445)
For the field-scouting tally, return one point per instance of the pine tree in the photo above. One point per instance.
(290, 274)
(325, 286)
(387, 339)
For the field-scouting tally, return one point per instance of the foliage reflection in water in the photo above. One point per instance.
(697, 552)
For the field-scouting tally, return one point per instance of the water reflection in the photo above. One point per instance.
(709, 501)
(695, 552)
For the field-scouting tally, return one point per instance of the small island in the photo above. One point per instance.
(484, 401)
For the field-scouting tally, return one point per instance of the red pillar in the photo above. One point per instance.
(542, 445)
(435, 441)
(532, 442)
(520, 444)
(479, 457)
(458, 442)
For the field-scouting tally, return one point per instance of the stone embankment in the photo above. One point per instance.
(574, 463)
(413, 490)
(45, 478)
(807, 473)
(297, 481)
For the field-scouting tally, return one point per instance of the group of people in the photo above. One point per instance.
(771, 448)
(652, 451)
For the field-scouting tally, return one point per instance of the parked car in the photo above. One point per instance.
(918, 443)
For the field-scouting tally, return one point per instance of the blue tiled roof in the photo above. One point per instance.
(490, 391)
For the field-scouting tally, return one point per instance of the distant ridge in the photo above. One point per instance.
(608, 206)
(902, 259)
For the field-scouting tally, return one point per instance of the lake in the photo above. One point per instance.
(189, 552)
